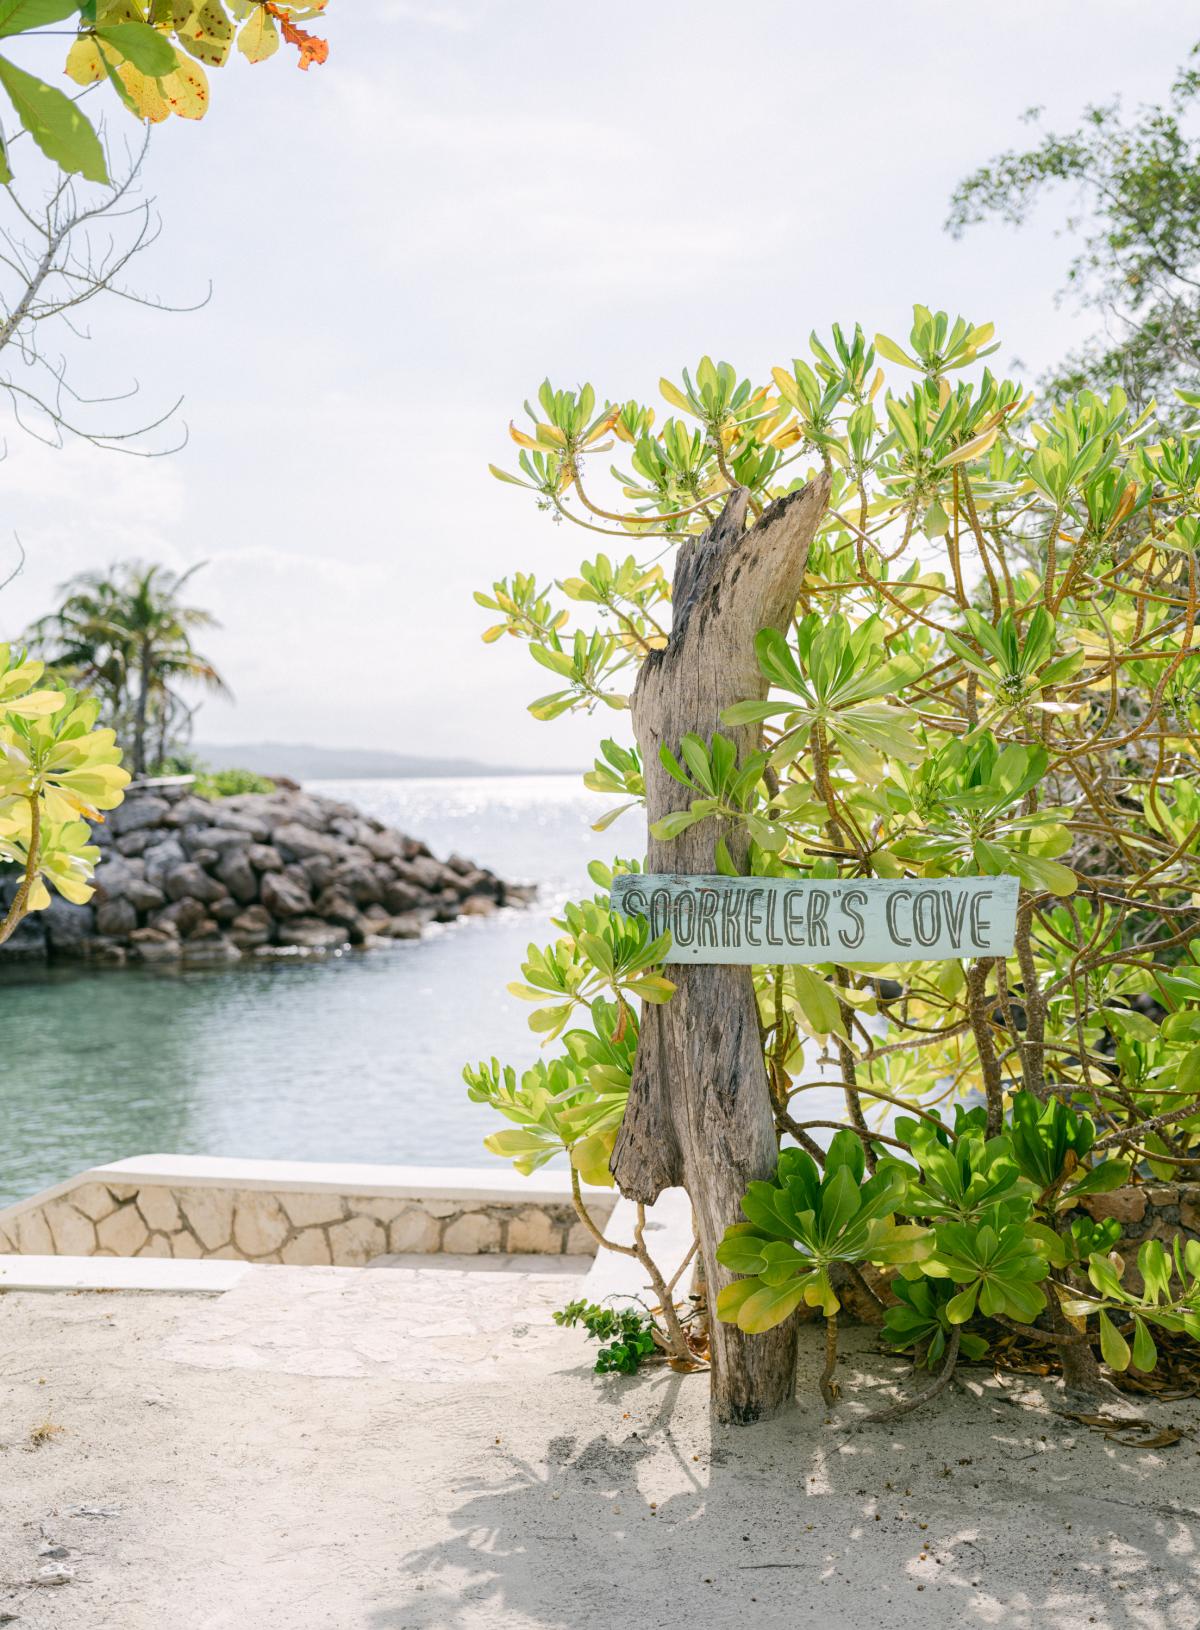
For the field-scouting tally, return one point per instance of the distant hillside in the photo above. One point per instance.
(344, 763)
(304, 763)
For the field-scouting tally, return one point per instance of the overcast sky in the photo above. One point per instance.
(469, 196)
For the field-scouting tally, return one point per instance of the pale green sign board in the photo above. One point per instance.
(779, 919)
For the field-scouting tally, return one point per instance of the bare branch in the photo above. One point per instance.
(56, 258)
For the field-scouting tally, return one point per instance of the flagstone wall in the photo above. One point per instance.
(119, 1211)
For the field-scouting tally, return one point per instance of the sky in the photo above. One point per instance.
(470, 196)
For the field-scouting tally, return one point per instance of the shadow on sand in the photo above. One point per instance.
(985, 1512)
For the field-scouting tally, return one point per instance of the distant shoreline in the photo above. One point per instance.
(481, 772)
(302, 762)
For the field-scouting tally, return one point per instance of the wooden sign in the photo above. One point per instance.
(780, 919)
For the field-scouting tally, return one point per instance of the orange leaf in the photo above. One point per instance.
(311, 48)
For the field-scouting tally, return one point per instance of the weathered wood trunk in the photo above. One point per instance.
(699, 1111)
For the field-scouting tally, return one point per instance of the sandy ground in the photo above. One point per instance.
(422, 1450)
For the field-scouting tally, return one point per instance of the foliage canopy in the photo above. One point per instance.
(127, 633)
(1135, 185)
(151, 53)
(991, 669)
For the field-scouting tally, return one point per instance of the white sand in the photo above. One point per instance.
(423, 1450)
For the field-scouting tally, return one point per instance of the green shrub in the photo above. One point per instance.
(629, 1335)
(992, 668)
(228, 783)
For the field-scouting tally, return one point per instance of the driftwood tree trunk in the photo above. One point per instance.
(699, 1112)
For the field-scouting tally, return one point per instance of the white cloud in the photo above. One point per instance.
(453, 19)
(467, 197)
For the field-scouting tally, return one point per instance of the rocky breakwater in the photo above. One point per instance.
(192, 880)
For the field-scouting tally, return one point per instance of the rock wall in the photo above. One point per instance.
(1161, 1211)
(303, 1230)
(192, 880)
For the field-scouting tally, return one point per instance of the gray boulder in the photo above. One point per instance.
(193, 882)
(337, 907)
(179, 918)
(114, 875)
(67, 927)
(208, 945)
(406, 925)
(139, 810)
(136, 843)
(359, 882)
(317, 869)
(238, 876)
(143, 896)
(284, 897)
(424, 872)
(162, 858)
(116, 917)
(285, 809)
(216, 838)
(190, 811)
(264, 858)
(478, 883)
(238, 820)
(153, 945)
(252, 928)
(400, 897)
(310, 934)
(297, 842)
(383, 845)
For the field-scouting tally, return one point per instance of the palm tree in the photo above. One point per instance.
(128, 634)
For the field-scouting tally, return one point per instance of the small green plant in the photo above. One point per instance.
(627, 1334)
(999, 1240)
(801, 1227)
(1170, 1299)
(216, 784)
(920, 1322)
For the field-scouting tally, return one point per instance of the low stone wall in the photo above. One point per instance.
(193, 880)
(1162, 1211)
(297, 1213)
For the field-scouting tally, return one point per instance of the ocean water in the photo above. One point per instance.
(355, 1057)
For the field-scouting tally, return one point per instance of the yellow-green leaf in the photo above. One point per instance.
(259, 37)
(55, 123)
(1113, 1346)
(889, 349)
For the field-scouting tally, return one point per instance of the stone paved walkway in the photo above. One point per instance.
(442, 1320)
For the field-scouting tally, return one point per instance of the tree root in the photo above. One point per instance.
(906, 1405)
